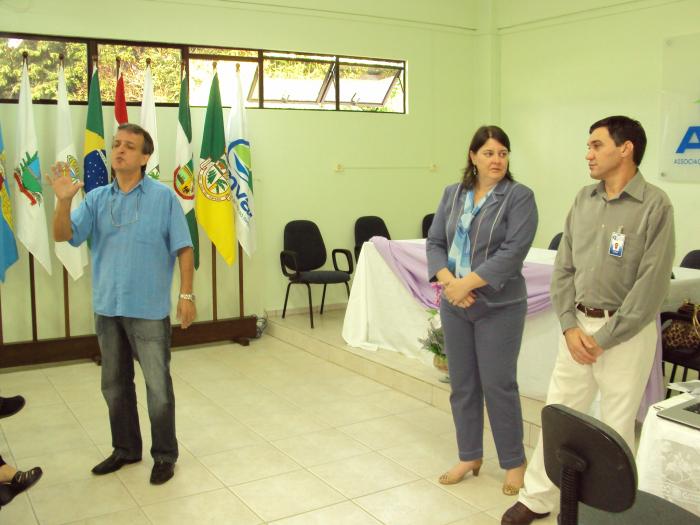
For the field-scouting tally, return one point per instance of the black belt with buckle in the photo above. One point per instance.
(594, 312)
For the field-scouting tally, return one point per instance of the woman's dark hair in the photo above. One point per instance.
(482, 135)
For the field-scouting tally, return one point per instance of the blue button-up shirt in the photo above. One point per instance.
(134, 240)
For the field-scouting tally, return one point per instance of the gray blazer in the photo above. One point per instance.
(501, 235)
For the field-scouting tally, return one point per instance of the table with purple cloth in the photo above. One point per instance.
(391, 297)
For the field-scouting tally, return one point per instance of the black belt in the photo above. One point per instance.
(594, 312)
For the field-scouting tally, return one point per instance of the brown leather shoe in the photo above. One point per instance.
(519, 514)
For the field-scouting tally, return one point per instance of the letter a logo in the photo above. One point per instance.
(687, 142)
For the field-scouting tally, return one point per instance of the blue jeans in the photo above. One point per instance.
(121, 340)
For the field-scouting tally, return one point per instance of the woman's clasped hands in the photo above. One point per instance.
(457, 292)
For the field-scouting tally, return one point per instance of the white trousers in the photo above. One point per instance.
(621, 374)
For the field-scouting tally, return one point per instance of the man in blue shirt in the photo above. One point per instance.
(136, 228)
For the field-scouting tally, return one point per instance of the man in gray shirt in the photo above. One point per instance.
(610, 278)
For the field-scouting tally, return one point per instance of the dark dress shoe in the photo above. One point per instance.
(9, 406)
(112, 464)
(20, 482)
(519, 514)
(162, 472)
(6, 494)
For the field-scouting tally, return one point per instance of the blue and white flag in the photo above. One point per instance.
(240, 171)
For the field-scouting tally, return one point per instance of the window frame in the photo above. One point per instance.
(331, 80)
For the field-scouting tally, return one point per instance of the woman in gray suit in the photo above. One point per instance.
(481, 233)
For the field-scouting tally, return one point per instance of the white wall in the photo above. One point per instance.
(294, 152)
(561, 72)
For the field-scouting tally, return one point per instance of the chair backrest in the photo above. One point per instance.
(691, 260)
(427, 222)
(554, 243)
(304, 238)
(609, 479)
(369, 226)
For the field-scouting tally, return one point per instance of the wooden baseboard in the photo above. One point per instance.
(238, 329)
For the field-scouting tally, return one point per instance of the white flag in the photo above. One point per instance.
(240, 171)
(74, 259)
(148, 122)
(30, 212)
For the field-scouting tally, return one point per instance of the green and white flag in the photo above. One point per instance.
(74, 259)
(240, 170)
(30, 210)
(148, 122)
(183, 176)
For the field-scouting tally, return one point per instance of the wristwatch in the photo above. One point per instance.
(187, 296)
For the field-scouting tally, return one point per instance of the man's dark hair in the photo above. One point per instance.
(146, 149)
(481, 136)
(622, 129)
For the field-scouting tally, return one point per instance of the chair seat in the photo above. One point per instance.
(323, 277)
(689, 358)
(647, 509)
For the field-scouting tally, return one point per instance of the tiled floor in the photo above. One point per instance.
(268, 434)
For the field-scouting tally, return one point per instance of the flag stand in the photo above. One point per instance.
(240, 281)
(213, 282)
(66, 304)
(32, 295)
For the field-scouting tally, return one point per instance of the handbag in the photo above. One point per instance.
(683, 332)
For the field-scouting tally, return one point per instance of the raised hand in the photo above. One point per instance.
(63, 185)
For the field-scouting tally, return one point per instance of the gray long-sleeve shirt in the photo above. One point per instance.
(634, 284)
(500, 236)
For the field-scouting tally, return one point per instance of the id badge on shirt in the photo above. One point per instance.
(617, 244)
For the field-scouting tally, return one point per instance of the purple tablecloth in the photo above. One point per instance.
(409, 263)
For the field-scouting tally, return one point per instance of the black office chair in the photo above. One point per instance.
(366, 228)
(687, 358)
(427, 222)
(593, 465)
(691, 260)
(554, 243)
(304, 253)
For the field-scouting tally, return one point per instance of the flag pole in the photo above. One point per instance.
(213, 258)
(119, 65)
(240, 255)
(66, 304)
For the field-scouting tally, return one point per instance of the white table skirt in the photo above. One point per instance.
(381, 313)
(668, 459)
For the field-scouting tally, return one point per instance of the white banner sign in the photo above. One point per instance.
(680, 110)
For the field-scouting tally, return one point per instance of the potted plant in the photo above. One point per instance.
(435, 340)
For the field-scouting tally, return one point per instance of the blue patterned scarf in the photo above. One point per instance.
(459, 257)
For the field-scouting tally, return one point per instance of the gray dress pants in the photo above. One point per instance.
(482, 345)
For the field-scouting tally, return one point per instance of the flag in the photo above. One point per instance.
(240, 172)
(30, 213)
(213, 191)
(183, 176)
(8, 245)
(74, 259)
(94, 162)
(121, 116)
(148, 122)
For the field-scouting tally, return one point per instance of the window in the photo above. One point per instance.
(270, 79)
(296, 81)
(165, 68)
(371, 85)
(43, 59)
